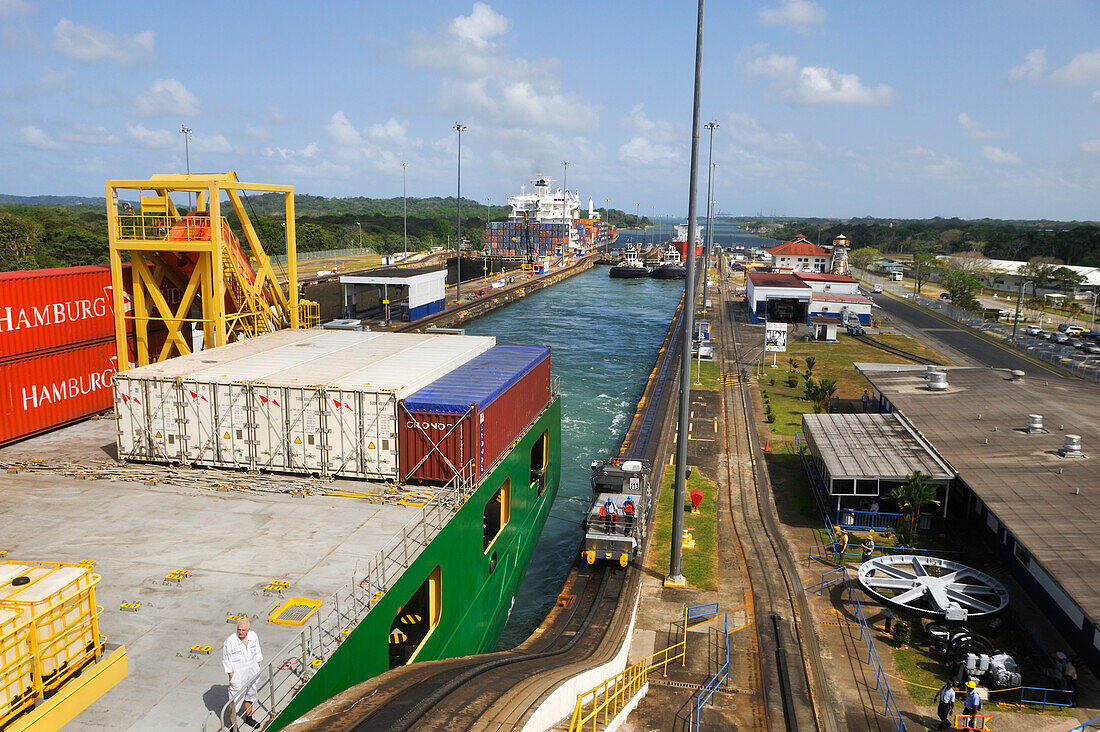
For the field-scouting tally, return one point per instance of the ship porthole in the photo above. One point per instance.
(493, 563)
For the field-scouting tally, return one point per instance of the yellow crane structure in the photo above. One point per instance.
(229, 290)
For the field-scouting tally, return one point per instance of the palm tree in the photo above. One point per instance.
(917, 491)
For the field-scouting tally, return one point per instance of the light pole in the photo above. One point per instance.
(458, 127)
(360, 234)
(607, 220)
(565, 207)
(710, 127)
(405, 211)
(186, 132)
(675, 575)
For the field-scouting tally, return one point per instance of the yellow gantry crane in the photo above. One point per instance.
(229, 290)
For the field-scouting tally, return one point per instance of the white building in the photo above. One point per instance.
(800, 255)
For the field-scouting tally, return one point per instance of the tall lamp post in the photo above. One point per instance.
(186, 132)
(675, 575)
(405, 211)
(565, 207)
(360, 234)
(710, 127)
(607, 220)
(459, 128)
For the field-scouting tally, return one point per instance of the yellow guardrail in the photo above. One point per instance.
(612, 695)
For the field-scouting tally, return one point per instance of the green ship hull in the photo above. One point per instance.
(458, 586)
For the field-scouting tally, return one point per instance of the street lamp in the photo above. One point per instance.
(638, 213)
(459, 128)
(565, 219)
(709, 127)
(405, 211)
(186, 132)
(360, 234)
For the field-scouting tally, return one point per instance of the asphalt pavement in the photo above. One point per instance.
(932, 329)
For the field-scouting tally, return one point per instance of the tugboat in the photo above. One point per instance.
(629, 267)
(671, 266)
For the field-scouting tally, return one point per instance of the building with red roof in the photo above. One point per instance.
(800, 255)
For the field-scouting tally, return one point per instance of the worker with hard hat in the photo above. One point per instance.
(972, 703)
(609, 510)
(628, 515)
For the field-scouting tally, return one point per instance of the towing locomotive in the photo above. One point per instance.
(615, 527)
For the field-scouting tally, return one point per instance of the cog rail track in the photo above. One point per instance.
(787, 653)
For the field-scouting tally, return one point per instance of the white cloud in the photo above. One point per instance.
(743, 128)
(1082, 70)
(1035, 63)
(1096, 99)
(818, 84)
(256, 132)
(283, 153)
(152, 139)
(390, 132)
(1091, 146)
(998, 156)
(14, 8)
(273, 115)
(54, 79)
(166, 97)
(211, 144)
(774, 66)
(36, 137)
(479, 79)
(83, 135)
(341, 131)
(480, 26)
(652, 141)
(797, 13)
(88, 43)
(928, 163)
(974, 129)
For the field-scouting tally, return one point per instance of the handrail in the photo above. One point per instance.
(1045, 701)
(622, 687)
(891, 707)
(711, 687)
(290, 669)
(1085, 726)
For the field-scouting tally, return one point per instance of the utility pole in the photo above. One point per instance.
(675, 575)
(458, 127)
(404, 211)
(710, 127)
(186, 132)
(565, 208)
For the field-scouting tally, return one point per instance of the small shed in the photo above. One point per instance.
(412, 292)
(824, 329)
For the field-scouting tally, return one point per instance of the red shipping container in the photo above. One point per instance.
(47, 309)
(41, 392)
(472, 415)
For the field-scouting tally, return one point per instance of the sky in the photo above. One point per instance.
(835, 109)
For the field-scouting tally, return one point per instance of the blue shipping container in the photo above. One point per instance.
(479, 381)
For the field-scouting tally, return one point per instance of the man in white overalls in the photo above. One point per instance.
(241, 659)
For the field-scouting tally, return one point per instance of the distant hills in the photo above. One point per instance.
(52, 200)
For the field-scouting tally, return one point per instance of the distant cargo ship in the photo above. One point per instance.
(547, 223)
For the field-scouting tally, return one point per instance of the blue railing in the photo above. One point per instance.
(847, 518)
(706, 694)
(891, 708)
(832, 577)
(1046, 697)
(821, 551)
(1092, 724)
(701, 611)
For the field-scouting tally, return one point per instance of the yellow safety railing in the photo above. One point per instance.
(612, 695)
(968, 721)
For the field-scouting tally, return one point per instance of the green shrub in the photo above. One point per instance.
(903, 632)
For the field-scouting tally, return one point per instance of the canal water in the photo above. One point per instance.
(604, 336)
(725, 235)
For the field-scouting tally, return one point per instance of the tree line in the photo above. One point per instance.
(41, 236)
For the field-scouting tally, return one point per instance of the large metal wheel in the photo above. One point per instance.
(932, 588)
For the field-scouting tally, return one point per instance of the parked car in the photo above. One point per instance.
(945, 295)
(1033, 330)
(1060, 338)
(1074, 330)
(1075, 342)
(876, 289)
(1089, 348)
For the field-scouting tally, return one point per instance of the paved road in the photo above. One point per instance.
(935, 331)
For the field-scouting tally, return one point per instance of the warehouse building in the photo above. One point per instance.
(1024, 451)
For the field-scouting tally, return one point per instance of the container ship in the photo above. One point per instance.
(547, 223)
(367, 500)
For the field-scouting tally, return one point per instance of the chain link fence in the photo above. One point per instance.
(1062, 355)
(325, 254)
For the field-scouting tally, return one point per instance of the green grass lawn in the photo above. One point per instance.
(700, 565)
(834, 360)
(705, 375)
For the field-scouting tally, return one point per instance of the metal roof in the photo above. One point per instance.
(1050, 504)
(871, 446)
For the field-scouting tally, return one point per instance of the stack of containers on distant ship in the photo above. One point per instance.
(57, 346)
(471, 416)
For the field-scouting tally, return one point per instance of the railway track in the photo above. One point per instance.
(793, 692)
